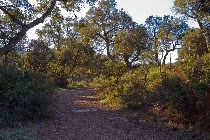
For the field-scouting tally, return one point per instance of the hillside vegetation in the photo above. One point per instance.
(125, 61)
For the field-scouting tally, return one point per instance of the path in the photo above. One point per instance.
(77, 115)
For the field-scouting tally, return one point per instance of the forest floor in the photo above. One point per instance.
(78, 115)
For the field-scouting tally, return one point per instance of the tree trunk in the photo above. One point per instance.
(128, 64)
(207, 37)
(109, 55)
(164, 58)
(206, 34)
(156, 52)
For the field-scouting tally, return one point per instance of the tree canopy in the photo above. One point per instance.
(101, 25)
(17, 17)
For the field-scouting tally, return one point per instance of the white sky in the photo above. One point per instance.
(141, 9)
(138, 9)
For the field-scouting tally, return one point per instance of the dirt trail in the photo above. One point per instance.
(77, 115)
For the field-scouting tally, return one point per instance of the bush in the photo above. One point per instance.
(126, 91)
(185, 92)
(24, 95)
(182, 91)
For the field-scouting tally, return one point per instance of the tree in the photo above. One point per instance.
(198, 10)
(68, 60)
(193, 44)
(102, 24)
(17, 17)
(57, 31)
(170, 35)
(165, 33)
(37, 58)
(53, 31)
(130, 44)
(153, 25)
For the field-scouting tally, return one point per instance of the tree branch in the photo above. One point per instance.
(14, 19)
(18, 36)
(44, 16)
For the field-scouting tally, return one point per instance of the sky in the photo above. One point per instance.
(139, 10)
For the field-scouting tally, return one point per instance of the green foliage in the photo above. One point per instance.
(127, 90)
(20, 16)
(131, 44)
(71, 60)
(101, 25)
(77, 84)
(165, 34)
(193, 44)
(115, 69)
(37, 58)
(24, 95)
(197, 10)
(186, 90)
(183, 90)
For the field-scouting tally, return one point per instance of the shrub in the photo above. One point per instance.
(24, 95)
(182, 92)
(185, 92)
(126, 91)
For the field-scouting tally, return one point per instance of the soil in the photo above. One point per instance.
(78, 115)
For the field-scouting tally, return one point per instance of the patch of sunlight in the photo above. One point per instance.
(88, 97)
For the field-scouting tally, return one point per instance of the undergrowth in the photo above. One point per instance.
(180, 92)
(25, 96)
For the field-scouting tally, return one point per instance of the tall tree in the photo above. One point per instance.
(53, 31)
(165, 33)
(68, 60)
(17, 17)
(102, 24)
(198, 10)
(170, 35)
(153, 25)
(130, 44)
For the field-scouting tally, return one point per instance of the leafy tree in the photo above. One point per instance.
(102, 24)
(58, 31)
(17, 17)
(198, 10)
(166, 33)
(153, 25)
(172, 31)
(37, 58)
(71, 57)
(130, 44)
(53, 31)
(193, 44)
(68, 59)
